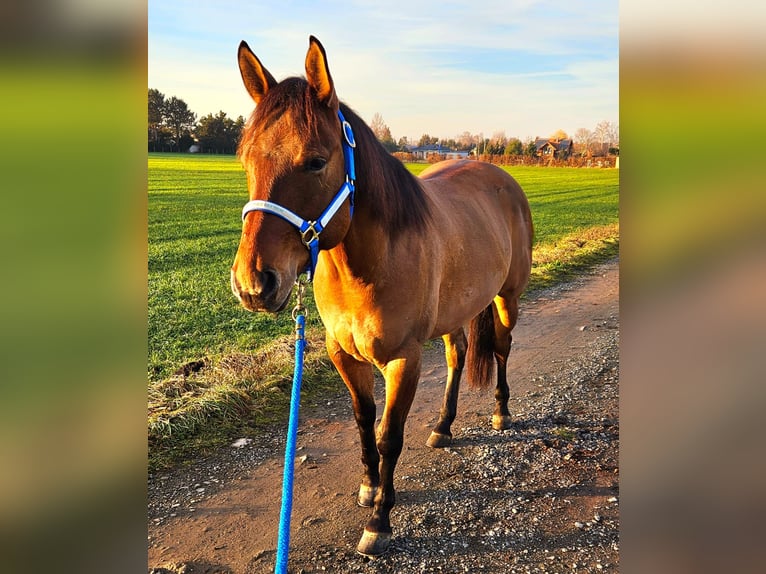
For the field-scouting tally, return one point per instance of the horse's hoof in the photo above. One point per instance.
(439, 440)
(366, 497)
(373, 543)
(501, 422)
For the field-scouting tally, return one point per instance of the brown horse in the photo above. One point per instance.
(399, 262)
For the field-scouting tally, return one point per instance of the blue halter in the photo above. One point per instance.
(310, 230)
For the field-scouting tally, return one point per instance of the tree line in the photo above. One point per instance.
(602, 141)
(174, 127)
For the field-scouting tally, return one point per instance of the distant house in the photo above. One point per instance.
(553, 148)
(423, 152)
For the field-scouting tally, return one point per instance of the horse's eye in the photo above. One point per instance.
(316, 164)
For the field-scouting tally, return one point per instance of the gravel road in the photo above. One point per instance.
(542, 496)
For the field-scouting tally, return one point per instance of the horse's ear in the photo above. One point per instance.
(256, 78)
(318, 74)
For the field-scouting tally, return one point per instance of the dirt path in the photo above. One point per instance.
(540, 495)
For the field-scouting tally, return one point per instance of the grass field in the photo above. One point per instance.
(194, 227)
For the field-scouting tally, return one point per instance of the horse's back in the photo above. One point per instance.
(479, 192)
(466, 181)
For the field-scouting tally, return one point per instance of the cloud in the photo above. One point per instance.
(442, 67)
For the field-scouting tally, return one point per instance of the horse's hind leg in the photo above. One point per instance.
(455, 345)
(506, 312)
(360, 381)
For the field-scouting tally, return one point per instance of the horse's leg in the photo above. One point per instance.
(506, 311)
(359, 379)
(401, 377)
(455, 345)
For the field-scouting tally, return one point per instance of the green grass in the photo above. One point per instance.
(575, 212)
(194, 228)
(567, 200)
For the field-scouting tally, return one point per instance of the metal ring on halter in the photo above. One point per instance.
(310, 234)
(348, 133)
(298, 310)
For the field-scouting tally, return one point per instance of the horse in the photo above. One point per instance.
(395, 260)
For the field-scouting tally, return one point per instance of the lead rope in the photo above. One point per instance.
(299, 316)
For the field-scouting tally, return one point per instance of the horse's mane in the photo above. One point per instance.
(391, 193)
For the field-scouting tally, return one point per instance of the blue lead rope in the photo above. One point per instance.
(283, 543)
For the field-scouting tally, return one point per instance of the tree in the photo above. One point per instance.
(383, 133)
(614, 138)
(466, 140)
(211, 132)
(158, 133)
(219, 134)
(425, 139)
(239, 126)
(482, 146)
(156, 107)
(180, 119)
(584, 139)
(513, 147)
(378, 126)
(605, 135)
(497, 143)
(559, 135)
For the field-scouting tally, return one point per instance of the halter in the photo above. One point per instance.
(310, 230)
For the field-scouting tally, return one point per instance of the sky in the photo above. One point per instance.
(523, 67)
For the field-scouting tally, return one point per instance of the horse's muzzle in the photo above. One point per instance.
(263, 292)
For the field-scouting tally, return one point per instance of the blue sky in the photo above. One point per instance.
(524, 67)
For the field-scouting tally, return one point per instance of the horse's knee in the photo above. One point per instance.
(390, 445)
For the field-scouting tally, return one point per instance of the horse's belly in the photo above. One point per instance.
(459, 303)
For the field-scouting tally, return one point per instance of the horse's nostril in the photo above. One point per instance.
(269, 282)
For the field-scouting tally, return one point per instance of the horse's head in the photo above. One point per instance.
(293, 154)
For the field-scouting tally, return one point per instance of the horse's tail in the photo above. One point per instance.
(480, 357)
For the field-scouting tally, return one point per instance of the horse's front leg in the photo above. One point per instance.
(401, 375)
(359, 379)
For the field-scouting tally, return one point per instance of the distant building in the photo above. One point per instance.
(423, 152)
(553, 148)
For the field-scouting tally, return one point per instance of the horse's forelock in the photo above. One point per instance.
(292, 97)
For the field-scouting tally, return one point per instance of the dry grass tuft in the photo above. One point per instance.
(555, 262)
(231, 390)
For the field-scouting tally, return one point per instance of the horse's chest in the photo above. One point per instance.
(359, 336)
(362, 329)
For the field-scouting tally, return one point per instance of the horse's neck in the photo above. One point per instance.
(358, 256)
